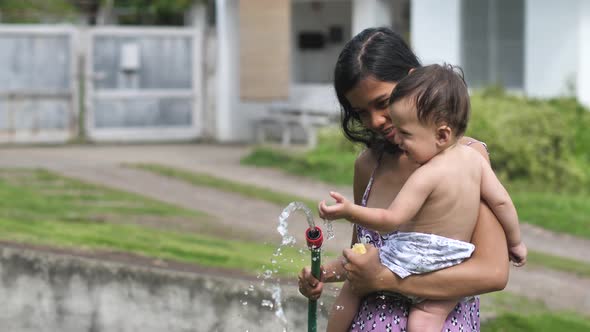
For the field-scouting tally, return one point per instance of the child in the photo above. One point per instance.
(432, 218)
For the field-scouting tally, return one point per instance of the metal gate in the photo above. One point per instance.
(143, 84)
(38, 85)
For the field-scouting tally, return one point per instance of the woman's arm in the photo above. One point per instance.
(486, 270)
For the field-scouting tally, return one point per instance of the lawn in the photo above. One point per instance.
(516, 313)
(547, 322)
(40, 207)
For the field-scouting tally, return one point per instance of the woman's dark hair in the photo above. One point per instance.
(375, 52)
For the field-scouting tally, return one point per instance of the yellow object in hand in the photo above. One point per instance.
(359, 248)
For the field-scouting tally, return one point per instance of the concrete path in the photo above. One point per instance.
(258, 220)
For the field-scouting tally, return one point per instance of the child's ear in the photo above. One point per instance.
(443, 135)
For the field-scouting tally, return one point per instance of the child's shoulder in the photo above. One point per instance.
(475, 145)
(470, 155)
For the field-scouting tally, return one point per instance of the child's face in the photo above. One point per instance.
(417, 140)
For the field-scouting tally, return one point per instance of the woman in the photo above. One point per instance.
(366, 72)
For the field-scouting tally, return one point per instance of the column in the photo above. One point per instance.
(228, 71)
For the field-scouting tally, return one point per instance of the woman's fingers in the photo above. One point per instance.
(309, 286)
(358, 264)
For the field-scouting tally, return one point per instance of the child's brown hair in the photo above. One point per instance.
(440, 95)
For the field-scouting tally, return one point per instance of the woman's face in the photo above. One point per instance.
(370, 100)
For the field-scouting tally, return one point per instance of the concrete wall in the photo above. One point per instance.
(50, 292)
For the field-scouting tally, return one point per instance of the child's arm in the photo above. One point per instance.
(405, 206)
(494, 193)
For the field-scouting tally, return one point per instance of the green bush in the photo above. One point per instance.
(541, 143)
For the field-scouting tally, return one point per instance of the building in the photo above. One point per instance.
(283, 51)
(238, 63)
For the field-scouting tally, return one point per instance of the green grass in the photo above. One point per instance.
(322, 164)
(247, 190)
(548, 322)
(191, 248)
(559, 212)
(41, 195)
(581, 269)
(500, 303)
(39, 207)
(532, 315)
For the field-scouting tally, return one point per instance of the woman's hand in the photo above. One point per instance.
(365, 272)
(309, 286)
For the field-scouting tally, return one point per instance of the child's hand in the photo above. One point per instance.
(337, 211)
(518, 254)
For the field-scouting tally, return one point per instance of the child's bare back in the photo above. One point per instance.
(452, 207)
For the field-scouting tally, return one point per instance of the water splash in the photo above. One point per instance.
(283, 227)
(268, 278)
(267, 303)
(329, 229)
(276, 296)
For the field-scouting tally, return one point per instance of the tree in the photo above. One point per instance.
(150, 12)
(37, 11)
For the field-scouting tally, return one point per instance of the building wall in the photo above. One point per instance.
(551, 49)
(265, 49)
(317, 65)
(435, 29)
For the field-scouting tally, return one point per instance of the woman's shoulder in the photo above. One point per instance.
(366, 161)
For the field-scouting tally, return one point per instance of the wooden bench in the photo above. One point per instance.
(286, 118)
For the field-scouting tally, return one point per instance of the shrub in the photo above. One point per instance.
(541, 143)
